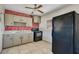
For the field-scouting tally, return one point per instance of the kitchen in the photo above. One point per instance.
(20, 29)
(39, 29)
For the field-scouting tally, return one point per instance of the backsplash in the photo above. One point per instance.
(34, 25)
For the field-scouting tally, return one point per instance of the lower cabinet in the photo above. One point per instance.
(30, 36)
(10, 40)
(24, 39)
(16, 40)
(27, 38)
(7, 41)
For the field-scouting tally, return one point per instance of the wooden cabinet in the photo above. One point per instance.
(7, 41)
(9, 19)
(29, 21)
(27, 38)
(16, 40)
(10, 40)
(36, 19)
(16, 18)
(20, 19)
(30, 36)
(24, 38)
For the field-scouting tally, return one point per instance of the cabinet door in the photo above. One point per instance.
(29, 21)
(23, 19)
(7, 41)
(25, 38)
(37, 19)
(9, 19)
(16, 18)
(16, 40)
(30, 36)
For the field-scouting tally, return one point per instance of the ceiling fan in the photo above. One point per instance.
(36, 8)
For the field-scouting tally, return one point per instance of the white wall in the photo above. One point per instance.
(1, 26)
(47, 33)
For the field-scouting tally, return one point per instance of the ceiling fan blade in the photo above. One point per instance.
(40, 11)
(29, 7)
(39, 6)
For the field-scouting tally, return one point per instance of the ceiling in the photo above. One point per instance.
(21, 8)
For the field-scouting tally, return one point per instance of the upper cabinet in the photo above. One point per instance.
(10, 20)
(37, 19)
(29, 21)
(20, 19)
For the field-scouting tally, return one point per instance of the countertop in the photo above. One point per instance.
(17, 32)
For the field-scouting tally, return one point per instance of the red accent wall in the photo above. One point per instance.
(17, 13)
(17, 28)
(34, 25)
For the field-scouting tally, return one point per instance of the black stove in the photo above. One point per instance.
(37, 35)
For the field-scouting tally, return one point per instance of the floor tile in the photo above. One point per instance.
(40, 47)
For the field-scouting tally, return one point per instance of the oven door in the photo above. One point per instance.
(37, 35)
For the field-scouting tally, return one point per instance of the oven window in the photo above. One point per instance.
(38, 34)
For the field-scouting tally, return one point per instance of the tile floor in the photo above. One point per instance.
(40, 47)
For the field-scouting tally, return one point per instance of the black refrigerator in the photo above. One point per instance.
(65, 33)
